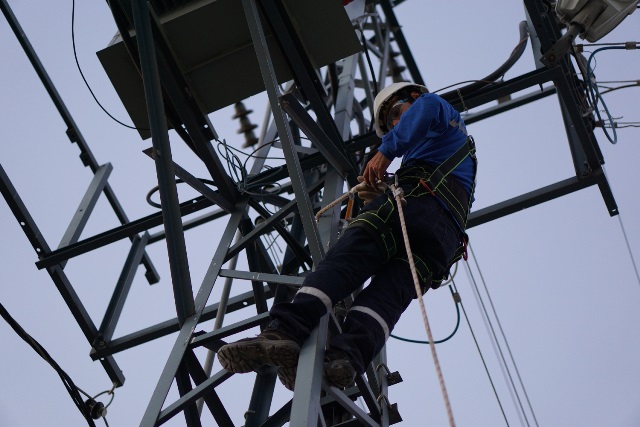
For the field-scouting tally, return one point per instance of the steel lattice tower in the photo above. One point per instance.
(326, 56)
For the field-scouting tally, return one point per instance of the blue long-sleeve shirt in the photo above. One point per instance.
(424, 133)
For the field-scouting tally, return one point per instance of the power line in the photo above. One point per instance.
(626, 239)
(633, 260)
(504, 337)
(73, 390)
(75, 55)
(496, 347)
(484, 363)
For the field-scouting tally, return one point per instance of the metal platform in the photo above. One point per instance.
(211, 44)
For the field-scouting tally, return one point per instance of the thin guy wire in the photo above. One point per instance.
(496, 346)
(624, 233)
(397, 192)
(484, 363)
(633, 261)
(504, 337)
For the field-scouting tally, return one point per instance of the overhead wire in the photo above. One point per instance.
(484, 363)
(72, 389)
(239, 168)
(497, 74)
(594, 92)
(496, 346)
(625, 85)
(75, 55)
(504, 337)
(626, 239)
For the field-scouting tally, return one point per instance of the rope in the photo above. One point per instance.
(336, 201)
(357, 188)
(400, 201)
(398, 193)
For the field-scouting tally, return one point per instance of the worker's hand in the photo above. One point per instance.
(375, 170)
(366, 192)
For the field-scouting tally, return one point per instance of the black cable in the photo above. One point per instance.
(504, 337)
(366, 54)
(436, 341)
(371, 70)
(66, 380)
(484, 363)
(178, 181)
(497, 343)
(517, 52)
(611, 89)
(75, 55)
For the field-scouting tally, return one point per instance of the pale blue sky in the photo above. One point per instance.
(559, 274)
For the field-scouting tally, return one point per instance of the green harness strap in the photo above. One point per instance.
(425, 179)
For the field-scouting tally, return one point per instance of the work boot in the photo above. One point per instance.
(287, 376)
(270, 347)
(338, 369)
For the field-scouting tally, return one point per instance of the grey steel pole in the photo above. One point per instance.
(177, 251)
(291, 156)
(222, 309)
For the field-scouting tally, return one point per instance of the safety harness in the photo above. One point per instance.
(423, 178)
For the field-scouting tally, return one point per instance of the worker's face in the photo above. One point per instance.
(398, 107)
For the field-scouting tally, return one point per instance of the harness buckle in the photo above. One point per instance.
(465, 255)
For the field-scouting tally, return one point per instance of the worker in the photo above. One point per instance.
(437, 176)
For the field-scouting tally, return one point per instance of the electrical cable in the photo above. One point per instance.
(611, 89)
(504, 337)
(239, 168)
(622, 125)
(494, 343)
(484, 363)
(75, 55)
(499, 73)
(436, 341)
(626, 239)
(73, 390)
(506, 372)
(368, 56)
(178, 181)
(487, 82)
(595, 95)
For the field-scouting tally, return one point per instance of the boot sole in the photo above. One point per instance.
(242, 357)
(339, 375)
(287, 376)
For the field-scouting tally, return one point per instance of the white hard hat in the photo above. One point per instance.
(380, 103)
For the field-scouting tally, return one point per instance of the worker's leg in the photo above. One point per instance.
(349, 263)
(345, 267)
(376, 310)
(374, 313)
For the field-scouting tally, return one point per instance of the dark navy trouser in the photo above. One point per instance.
(351, 262)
